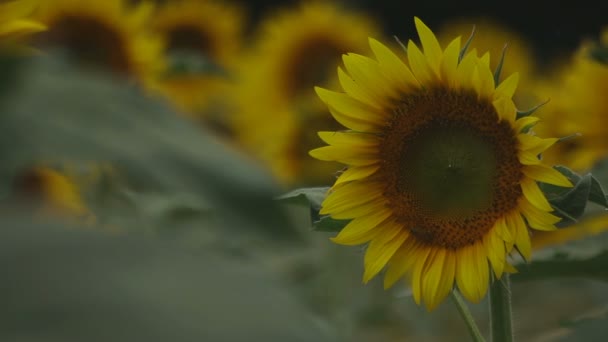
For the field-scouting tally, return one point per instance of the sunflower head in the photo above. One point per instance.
(51, 194)
(208, 32)
(16, 24)
(110, 35)
(579, 107)
(441, 176)
(295, 49)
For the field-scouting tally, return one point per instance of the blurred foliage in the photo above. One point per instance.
(150, 174)
(154, 151)
(75, 285)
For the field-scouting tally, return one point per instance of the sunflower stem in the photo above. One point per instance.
(501, 316)
(467, 317)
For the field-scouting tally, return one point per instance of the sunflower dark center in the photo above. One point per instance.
(189, 38)
(311, 65)
(89, 42)
(451, 167)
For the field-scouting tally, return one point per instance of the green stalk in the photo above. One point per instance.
(501, 317)
(467, 317)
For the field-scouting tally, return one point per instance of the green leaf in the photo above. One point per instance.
(585, 255)
(328, 224)
(571, 203)
(597, 194)
(574, 202)
(306, 196)
(565, 265)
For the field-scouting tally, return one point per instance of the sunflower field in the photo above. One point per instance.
(312, 170)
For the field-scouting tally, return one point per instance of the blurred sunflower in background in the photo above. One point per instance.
(578, 105)
(203, 39)
(108, 35)
(492, 36)
(578, 112)
(16, 24)
(49, 194)
(278, 112)
(442, 175)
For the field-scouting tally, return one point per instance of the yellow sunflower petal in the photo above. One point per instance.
(483, 271)
(466, 67)
(355, 157)
(424, 254)
(402, 262)
(524, 122)
(449, 63)
(534, 144)
(486, 78)
(346, 213)
(351, 195)
(507, 87)
(382, 249)
(435, 278)
(20, 27)
(356, 173)
(354, 90)
(503, 229)
(537, 218)
(349, 139)
(350, 112)
(505, 108)
(546, 174)
(418, 64)
(467, 274)
(366, 73)
(430, 45)
(393, 67)
(527, 158)
(534, 194)
(522, 235)
(495, 248)
(360, 230)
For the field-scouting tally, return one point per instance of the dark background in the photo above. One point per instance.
(553, 27)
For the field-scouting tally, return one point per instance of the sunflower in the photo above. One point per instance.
(209, 32)
(494, 37)
(108, 34)
(578, 105)
(278, 112)
(15, 24)
(51, 194)
(442, 176)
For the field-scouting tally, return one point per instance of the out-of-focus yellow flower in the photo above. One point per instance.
(209, 33)
(109, 34)
(492, 36)
(442, 178)
(278, 112)
(15, 23)
(587, 227)
(578, 106)
(51, 194)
